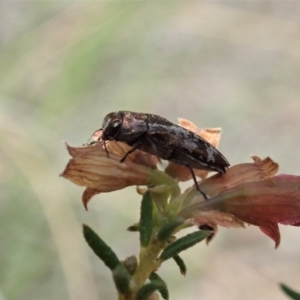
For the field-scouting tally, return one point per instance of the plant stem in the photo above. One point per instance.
(148, 264)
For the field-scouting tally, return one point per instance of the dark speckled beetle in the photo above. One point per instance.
(166, 140)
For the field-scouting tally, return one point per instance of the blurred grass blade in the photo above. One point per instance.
(122, 279)
(166, 231)
(154, 277)
(184, 243)
(288, 291)
(146, 221)
(101, 249)
(180, 263)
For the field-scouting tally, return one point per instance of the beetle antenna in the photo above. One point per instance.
(106, 149)
(196, 183)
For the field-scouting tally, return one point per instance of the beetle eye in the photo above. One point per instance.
(113, 129)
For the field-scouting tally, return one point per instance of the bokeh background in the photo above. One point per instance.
(65, 64)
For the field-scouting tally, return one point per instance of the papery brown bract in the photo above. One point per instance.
(259, 170)
(264, 203)
(139, 157)
(90, 167)
(215, 218)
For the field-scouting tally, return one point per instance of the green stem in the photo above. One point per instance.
(151, 248)
(148, 264)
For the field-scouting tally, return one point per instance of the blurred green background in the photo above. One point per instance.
(65, 64)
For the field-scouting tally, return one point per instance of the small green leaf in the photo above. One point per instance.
(166, 231)
(121, 279)
(180, 263)
(288, 291)
(101, 249)
(184, 243)
(134, 228)
(148, 289)
(146, 222)
(163, 289)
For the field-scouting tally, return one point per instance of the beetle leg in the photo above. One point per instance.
(134, 147)
(196, 183)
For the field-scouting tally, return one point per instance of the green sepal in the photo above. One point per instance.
(101, 249)
(148, 289)
(288, 291)
(166, 231)
(184, 243)
(146, 221)
(180, 263)
(154, 277)
(122, 279)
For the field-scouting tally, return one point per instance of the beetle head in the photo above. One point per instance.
(112, 125)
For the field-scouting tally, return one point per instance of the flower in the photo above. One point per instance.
(91, 167)
(120, 149)
(248, 193)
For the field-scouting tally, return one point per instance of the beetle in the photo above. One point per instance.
(158, 136)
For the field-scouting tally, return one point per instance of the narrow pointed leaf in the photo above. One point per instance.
(121, 278)
(154, 277)
(148, 289)
(184, 243)
(180, 263)
(166, 231)
(101, 249)
(146, 222)
(291, 293)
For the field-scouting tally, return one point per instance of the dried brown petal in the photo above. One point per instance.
(139, 157)
(262, 203)
(87, 196)
(213, 218)
(90, 167)
(241, 173)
